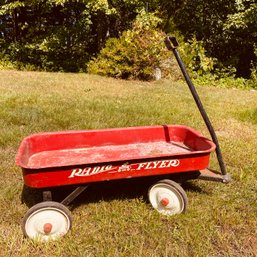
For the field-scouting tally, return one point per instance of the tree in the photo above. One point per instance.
(61, 34)
(240, 33)
(50, 35)
(66, 34)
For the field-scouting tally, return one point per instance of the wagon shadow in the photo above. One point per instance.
(102, 191)
(113, 190)
(124, 189)
(189, 186)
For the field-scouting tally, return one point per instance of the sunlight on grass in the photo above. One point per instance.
(249, 116)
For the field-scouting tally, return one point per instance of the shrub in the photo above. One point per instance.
(194, 56)
(136, 54)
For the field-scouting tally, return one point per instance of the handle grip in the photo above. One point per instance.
(171, 42)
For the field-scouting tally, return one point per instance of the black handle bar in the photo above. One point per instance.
(172, 44)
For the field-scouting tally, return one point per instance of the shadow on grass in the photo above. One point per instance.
(99, 191)
(189, 186)
(102, 191)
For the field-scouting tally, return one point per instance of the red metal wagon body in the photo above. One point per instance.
(77, 157)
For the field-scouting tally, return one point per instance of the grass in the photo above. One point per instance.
(115, 219)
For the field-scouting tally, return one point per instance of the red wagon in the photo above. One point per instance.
(82, 157)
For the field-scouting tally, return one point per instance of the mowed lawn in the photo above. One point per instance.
(116, 219)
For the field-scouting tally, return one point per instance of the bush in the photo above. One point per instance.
(224, 82)
(136, 54)
(194, 56)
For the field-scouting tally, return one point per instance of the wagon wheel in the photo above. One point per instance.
(168, 197)
(46, 220)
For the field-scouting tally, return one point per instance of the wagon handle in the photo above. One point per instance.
(172, 44)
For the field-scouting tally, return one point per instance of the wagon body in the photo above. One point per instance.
(78, 157)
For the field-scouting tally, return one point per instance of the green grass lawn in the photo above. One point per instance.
(115, 219)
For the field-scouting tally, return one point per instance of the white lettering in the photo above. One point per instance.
(158, 164)
(109, 167)
(148, 166)
(86, 172)
(95, 170)
(89, 171)
(173, 163)
(163, 164)
(141, 165)
(75, 172)
(155, 164)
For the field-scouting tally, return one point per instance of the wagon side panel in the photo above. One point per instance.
(111, 171)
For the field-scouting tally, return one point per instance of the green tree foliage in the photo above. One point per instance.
(240, 32)
(47, 35)
(227, 28)
(60, 34)
(65, 34)
(194, 56)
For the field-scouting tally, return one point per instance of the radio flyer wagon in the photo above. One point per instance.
(82, 157)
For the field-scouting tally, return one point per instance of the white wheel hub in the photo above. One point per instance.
(166, 199)
(47, 223)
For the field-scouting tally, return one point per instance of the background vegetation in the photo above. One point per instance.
(115, 219)
(65, 35)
